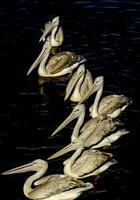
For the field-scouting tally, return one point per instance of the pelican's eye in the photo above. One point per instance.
(76, 110)
(37, 161)
(34, 162)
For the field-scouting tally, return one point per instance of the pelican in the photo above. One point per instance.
(96, 135)
(80, 82)
(61, 63)
(53, 187)
(53, 33)
(90, 163)
(110, 106)
(52, 41)
(58, 65)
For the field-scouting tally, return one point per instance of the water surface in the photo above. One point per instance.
(104, 32)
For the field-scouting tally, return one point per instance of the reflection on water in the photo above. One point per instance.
(104, 32)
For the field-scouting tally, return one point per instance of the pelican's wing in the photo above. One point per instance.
(55, 186)
(101, 129)
(101, 169)
(89, 161)
(63, 63)
(46, 179)
(86, 125)
(112, 103)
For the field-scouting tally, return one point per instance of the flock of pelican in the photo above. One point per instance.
(88, 138)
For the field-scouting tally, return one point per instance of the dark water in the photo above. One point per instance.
(107, 34)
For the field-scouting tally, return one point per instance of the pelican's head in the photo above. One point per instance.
(78, 143)
(74, 79)
(49, 26)
(35, 165)
(99, 80)
(77, 111)
(55, 21)
(98, 83)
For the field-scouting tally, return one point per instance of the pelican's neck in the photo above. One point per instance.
(42, 67)
(70, 161)
(27, 188)
(76, 95)
(53, 37)
(78, 125)
(94, 112)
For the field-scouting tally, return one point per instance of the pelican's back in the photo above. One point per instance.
(100, 131)
(89, 161)
(89, 125)
(61, 61)
(111, 103)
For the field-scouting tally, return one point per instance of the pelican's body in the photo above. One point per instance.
(53, 187)
(58, 65)
(90, 162)
(80, 82)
